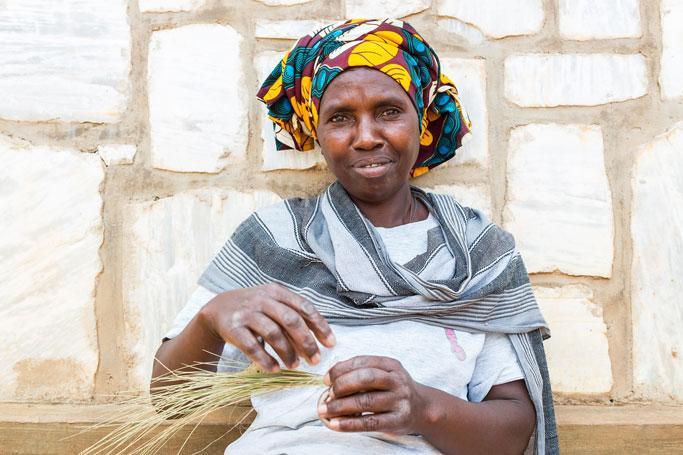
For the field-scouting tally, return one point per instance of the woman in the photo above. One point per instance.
(431, 335)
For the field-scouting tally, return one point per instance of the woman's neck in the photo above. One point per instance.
(401, 208)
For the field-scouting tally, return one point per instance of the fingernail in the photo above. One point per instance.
(334, 424)
(315, 359)
(326, 379)
(322, 409)
(331, 339)
(295, 364)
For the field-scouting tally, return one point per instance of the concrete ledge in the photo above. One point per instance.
(57, 429)
(631, 429)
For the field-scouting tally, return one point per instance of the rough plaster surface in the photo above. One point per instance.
(657, 286)
(51, 231)
(115, 154)
(384, 8)
(283, 2)
(287, 29)
(559, 170)
(671, 76)
(585, 20)
(158, 6)
(548, 80)
(170, 243)
(496, 19)
(197, 102)
(577, 351)
(66, 60)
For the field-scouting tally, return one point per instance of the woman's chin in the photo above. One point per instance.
(373, 191)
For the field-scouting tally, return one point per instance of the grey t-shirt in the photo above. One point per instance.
(463, 364)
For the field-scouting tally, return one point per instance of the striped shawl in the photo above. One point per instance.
(324, 249)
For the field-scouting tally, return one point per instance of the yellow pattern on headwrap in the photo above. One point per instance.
(314, 114)
(386, 35)
(372, 53)
(426, 138)
(304, 106)
(418, 171)
(398, 73)
(274, 90)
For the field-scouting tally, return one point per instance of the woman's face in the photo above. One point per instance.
(368, 132)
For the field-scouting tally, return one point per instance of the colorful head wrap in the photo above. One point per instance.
(293, 90)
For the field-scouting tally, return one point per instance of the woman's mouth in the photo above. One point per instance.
(373, 168)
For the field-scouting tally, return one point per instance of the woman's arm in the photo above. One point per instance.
(286, 321)
(502, 423)
(196, 343)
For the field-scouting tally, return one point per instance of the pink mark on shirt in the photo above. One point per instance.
(455, 347)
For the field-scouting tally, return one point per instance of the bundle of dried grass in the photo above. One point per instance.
(185, 398)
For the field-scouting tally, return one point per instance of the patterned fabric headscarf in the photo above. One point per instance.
(293, 90)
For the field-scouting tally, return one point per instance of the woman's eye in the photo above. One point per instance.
(337, 118)
(391, 112)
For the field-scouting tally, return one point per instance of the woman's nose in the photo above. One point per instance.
(367, 135)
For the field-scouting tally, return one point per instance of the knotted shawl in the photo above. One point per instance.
(324, 249)
(294, 89)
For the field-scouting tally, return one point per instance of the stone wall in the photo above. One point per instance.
(132, 145)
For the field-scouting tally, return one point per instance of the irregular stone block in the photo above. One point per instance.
(496, 19)
(198, 108)
(458, 28)
(549, 80)
(384, 8)
(162, 6)
(287, 29)
(657, 268)
(169, 244)
(599, 19)
(558, 202)
(577, 351)
(469, 76)
(671, 73)
(115, 154)
(66, 60)
(280, 159)
(50, 207)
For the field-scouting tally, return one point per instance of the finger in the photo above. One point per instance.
(273, 334)
(314, 320)
(295, 328)
(361, 380)
(361, 361)
(357, 404)
(244, 340)
(386, 422)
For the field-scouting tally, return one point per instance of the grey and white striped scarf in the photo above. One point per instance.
(324, 249)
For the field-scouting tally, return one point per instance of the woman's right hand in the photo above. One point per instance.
(286, 321)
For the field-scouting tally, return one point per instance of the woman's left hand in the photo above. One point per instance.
(372, 393)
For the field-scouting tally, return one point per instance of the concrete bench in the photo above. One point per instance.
(57, 429)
